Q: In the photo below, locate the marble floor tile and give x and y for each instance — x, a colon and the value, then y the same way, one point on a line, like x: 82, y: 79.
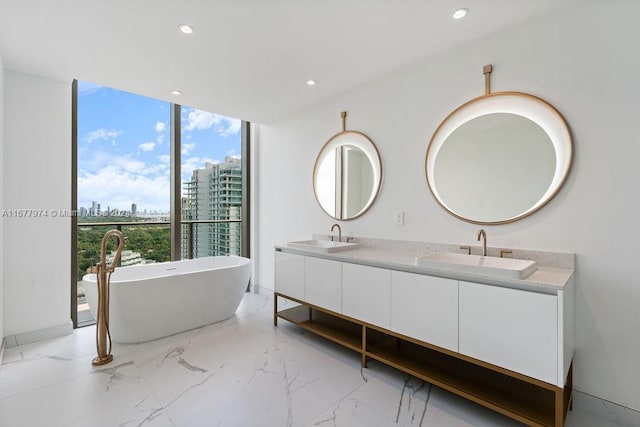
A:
x: 66, y: 402
x: 241, y: 372
x: 350, y: 412
x: 142, y: 411
x: 282, y: 385
x: 82, y: 342
x: 39, y: 371
x: 578, y: 418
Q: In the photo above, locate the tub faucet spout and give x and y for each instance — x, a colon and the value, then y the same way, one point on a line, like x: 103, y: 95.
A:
x: 339, y: 232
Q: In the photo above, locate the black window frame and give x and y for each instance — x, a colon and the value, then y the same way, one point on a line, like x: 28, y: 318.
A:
x: 175, y: 191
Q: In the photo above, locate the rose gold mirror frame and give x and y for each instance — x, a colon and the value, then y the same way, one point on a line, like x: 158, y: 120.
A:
x: 344, y: 131
x: 487, y: 70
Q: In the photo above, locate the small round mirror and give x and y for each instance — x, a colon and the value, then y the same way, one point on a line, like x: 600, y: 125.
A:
x: 347, y: 175
x: 499, y: 158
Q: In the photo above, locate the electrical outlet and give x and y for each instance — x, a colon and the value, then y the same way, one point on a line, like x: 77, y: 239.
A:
x: 400, y: 218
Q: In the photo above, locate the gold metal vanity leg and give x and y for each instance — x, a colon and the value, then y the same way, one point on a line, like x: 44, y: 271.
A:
x: 564, y: 399
x: 275, y: 309
x: 559, y: 407
x: 364, y: 346
x: 569, y: 388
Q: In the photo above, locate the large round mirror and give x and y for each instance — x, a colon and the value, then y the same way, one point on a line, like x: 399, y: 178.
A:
x: 347, y: 175
x: 499, y: 158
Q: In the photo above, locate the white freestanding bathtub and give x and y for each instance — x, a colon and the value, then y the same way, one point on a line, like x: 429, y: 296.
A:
x: 156, y: 300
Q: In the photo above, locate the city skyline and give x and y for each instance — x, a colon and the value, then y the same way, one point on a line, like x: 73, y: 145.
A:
x: 99, y: 209
x: 123, y: 147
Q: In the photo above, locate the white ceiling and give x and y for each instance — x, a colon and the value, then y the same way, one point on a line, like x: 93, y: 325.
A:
x: 248, y: 59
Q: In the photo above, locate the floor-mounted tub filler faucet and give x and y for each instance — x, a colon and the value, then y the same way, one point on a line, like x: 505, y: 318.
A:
x: 483, y: 235
x: 339, y: 232
x: 103, y: 272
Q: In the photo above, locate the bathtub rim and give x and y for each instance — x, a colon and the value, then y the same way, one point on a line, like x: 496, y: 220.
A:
x: 93, y: 277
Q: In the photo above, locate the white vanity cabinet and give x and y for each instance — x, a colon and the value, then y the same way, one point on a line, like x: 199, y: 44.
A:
x: 504, y: 347
x: 323, y: 283
x: 425, y: 308
x: 314, y: 280
x: 289, y: 274
x: 366, y: 294
x: 511, y: 328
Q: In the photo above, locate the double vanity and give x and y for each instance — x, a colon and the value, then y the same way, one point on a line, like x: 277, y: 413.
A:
x: 497, y: 331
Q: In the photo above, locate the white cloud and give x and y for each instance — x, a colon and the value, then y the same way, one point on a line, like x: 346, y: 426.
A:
x: 201, y: 120
x: 119, y: 188
x: 92, y: 160
x: 101, y: 134
x: 234, y: 126
x: 147, y: 146
x: 128, y: 164
x: 160, y: 127
x: 101, y: 159
x: 187, y: 147
x: 119, y: 180
x: 198, y: 119
x: 154, y: 169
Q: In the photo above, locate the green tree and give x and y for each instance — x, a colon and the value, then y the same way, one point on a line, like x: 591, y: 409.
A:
x: 151, y: 241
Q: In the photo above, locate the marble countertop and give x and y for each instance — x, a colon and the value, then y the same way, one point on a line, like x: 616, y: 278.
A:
x: 546, y: 280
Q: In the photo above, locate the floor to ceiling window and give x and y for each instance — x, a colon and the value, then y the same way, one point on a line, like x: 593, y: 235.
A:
x: 212, y: 184
x: 123, y: 145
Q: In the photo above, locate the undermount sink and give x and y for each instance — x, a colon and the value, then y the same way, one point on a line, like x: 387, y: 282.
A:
x: 501, y: 267
x: 322, y: 245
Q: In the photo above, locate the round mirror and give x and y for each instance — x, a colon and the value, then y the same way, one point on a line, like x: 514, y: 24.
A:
x: 347, y: 175
x: 499, y: 158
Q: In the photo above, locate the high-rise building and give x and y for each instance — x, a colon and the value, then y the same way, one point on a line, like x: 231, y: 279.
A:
x: 134, y: 209
x: 95, y: 207
x: 214, y: 193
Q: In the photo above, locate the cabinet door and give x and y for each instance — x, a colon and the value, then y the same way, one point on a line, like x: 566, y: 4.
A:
x: 366, y: 294
x: 425, y: 308
x: 323, y: 283
x: 289, y: 275
x: 511, y: 328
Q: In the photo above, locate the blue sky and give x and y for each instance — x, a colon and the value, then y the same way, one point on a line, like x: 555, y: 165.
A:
x: 123, y: 147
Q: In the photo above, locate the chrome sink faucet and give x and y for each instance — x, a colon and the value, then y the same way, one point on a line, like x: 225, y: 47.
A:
x: 339, y: 232
x: 483, y: 235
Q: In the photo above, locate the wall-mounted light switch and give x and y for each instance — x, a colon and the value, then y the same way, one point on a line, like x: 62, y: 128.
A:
x: 400, y: 218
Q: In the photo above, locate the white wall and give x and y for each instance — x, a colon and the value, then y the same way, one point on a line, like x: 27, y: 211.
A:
x: 37, y: 175
x: 582, y: 61
x: 1, y: 198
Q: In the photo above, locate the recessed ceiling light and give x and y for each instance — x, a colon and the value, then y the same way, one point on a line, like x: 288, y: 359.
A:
x: 187, y: 29
x: 175, y: 92
x: 311, y: 82
x: 460, y: 13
